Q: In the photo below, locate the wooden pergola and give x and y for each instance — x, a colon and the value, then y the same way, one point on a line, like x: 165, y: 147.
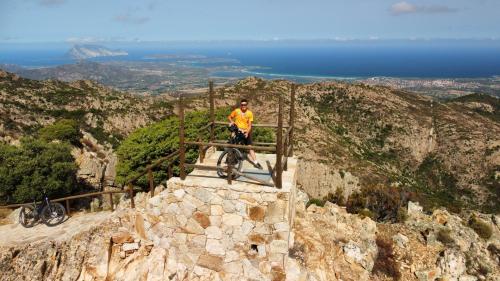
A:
x: 283, y: 147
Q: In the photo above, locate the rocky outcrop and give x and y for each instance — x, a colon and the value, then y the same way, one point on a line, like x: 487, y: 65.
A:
x: 96, y: 163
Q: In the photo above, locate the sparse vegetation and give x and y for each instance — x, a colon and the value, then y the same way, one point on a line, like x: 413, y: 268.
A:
x: 385, y: 262
x: 315, y: 201
x: 444, y: 236
x: 379, y: 202
x: 480, y: 227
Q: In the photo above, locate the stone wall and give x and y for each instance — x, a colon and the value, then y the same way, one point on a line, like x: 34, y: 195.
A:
x: 235, y: 231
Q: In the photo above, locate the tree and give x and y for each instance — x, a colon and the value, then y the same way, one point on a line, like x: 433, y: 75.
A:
x: 63, y: 130
x: 36, y: 165
x: 147, y: 144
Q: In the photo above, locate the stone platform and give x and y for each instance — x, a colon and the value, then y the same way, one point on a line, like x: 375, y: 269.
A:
x: 239, y: 231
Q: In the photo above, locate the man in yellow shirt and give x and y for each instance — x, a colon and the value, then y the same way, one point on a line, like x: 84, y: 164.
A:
x: 242, y: 117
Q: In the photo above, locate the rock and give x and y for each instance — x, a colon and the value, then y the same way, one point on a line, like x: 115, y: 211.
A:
x: 122, y: 237
x: 414, y: 209
x: 215, y: 247
x: 452, y: 264
x: 202, y: 195
x: 400, y: 240
x: 257, y: 213
x: 213, y: 232
x: 202, y: 219
x: 232, y: 219
x: 210, y: 262
x: 216, y: 210
x: 130, y: 247
x: 194, y: 227
x: 278, y: 246
x: 179, y: 193
x: 427, y: 275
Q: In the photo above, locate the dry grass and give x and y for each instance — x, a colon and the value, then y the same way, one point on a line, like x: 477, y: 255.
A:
x: 386, y: 263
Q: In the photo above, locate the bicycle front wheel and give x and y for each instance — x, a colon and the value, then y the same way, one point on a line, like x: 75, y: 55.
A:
x: 230, y: 156
x: 28, y: 216
x: 53, y: 214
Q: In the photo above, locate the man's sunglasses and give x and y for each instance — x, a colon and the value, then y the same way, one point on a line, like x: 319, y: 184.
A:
x: 243, y: 104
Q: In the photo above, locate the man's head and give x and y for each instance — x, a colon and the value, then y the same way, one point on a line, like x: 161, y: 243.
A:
x: 243, y: 105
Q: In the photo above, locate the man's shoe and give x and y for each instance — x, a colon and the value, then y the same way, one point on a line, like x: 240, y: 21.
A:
x: 258, y: 166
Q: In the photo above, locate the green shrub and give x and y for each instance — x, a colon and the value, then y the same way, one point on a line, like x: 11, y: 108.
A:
x: 444, y: 236
x: 336, y: 198
x: 147, y: 144
x: 63, y: 130
x: 482, y: 228
x: 36, y: 165
x: 315, y: 201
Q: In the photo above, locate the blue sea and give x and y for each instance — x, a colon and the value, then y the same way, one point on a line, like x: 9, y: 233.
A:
x: 315, y: 59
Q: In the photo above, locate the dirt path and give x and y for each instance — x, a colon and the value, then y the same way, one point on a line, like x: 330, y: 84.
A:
x: 16, y: 234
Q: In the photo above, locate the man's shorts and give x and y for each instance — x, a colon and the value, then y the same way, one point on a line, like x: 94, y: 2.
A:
x: 248, y: 140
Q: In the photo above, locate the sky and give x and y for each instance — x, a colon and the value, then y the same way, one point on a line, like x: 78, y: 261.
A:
x: 77, y: 21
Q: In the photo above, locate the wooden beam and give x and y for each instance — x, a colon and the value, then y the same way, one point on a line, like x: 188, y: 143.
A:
x: 182, y: 147
x: 254, y: 143
x: 257, y: 148
x: 279, y: 141
x: 111, y: 201
x: 212, y: 109
x: 291, y: 122
x: 151, y: 182
x: 253, y: 125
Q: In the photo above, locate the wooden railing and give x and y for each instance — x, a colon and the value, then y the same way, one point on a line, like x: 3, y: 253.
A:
x: 79, y: 196
x: 283, y: 147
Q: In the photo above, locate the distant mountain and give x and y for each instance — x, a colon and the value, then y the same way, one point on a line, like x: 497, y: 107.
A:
x: 93, y: 51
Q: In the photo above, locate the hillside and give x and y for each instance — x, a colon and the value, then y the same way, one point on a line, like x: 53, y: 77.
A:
x: 108, y: 115
x: 357, y: 136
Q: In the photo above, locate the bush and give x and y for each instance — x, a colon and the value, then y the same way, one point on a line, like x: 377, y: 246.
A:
x: 315, y: 201
x: 480, y: 227
x: 444, y: 236
x: 147, y: 144
x: 386, y: 262
x: 63, y: 130
x: 384, y: 203
x: 36, y: 165
x: 336, y: 198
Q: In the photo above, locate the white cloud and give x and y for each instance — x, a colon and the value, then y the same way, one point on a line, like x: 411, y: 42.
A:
x: 404, y: 8
x: 129, y: 18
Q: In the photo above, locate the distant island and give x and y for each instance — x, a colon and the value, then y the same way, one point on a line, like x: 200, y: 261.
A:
x: 80, y: 52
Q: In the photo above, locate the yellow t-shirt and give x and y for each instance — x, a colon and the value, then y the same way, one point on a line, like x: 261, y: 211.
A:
x: 242, y: 119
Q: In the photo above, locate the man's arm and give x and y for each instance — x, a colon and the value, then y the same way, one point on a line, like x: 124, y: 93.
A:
x: 249, y: 129
x: 230, y: 117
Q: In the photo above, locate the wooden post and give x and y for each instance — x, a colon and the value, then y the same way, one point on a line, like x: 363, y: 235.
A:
x: 68, y: 212
x: 151, y: 182
x: 292, y: 120
x: 279, y: 144
x: 131, y: 194
x: 212, y: 110
x: 170, y: 172
x: 230, y: 174
x: 285, y: 153
x: 182, y: 148
x: 111, y: 201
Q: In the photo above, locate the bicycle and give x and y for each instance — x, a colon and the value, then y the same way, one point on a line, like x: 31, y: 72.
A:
x: 233, y: 156
x: 50, y: 213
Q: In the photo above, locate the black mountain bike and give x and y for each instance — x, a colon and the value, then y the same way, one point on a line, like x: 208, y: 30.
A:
x: 233, y: 156
x: 50, y: 213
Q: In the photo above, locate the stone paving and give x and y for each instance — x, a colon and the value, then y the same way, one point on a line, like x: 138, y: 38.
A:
x: 16, y: 234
